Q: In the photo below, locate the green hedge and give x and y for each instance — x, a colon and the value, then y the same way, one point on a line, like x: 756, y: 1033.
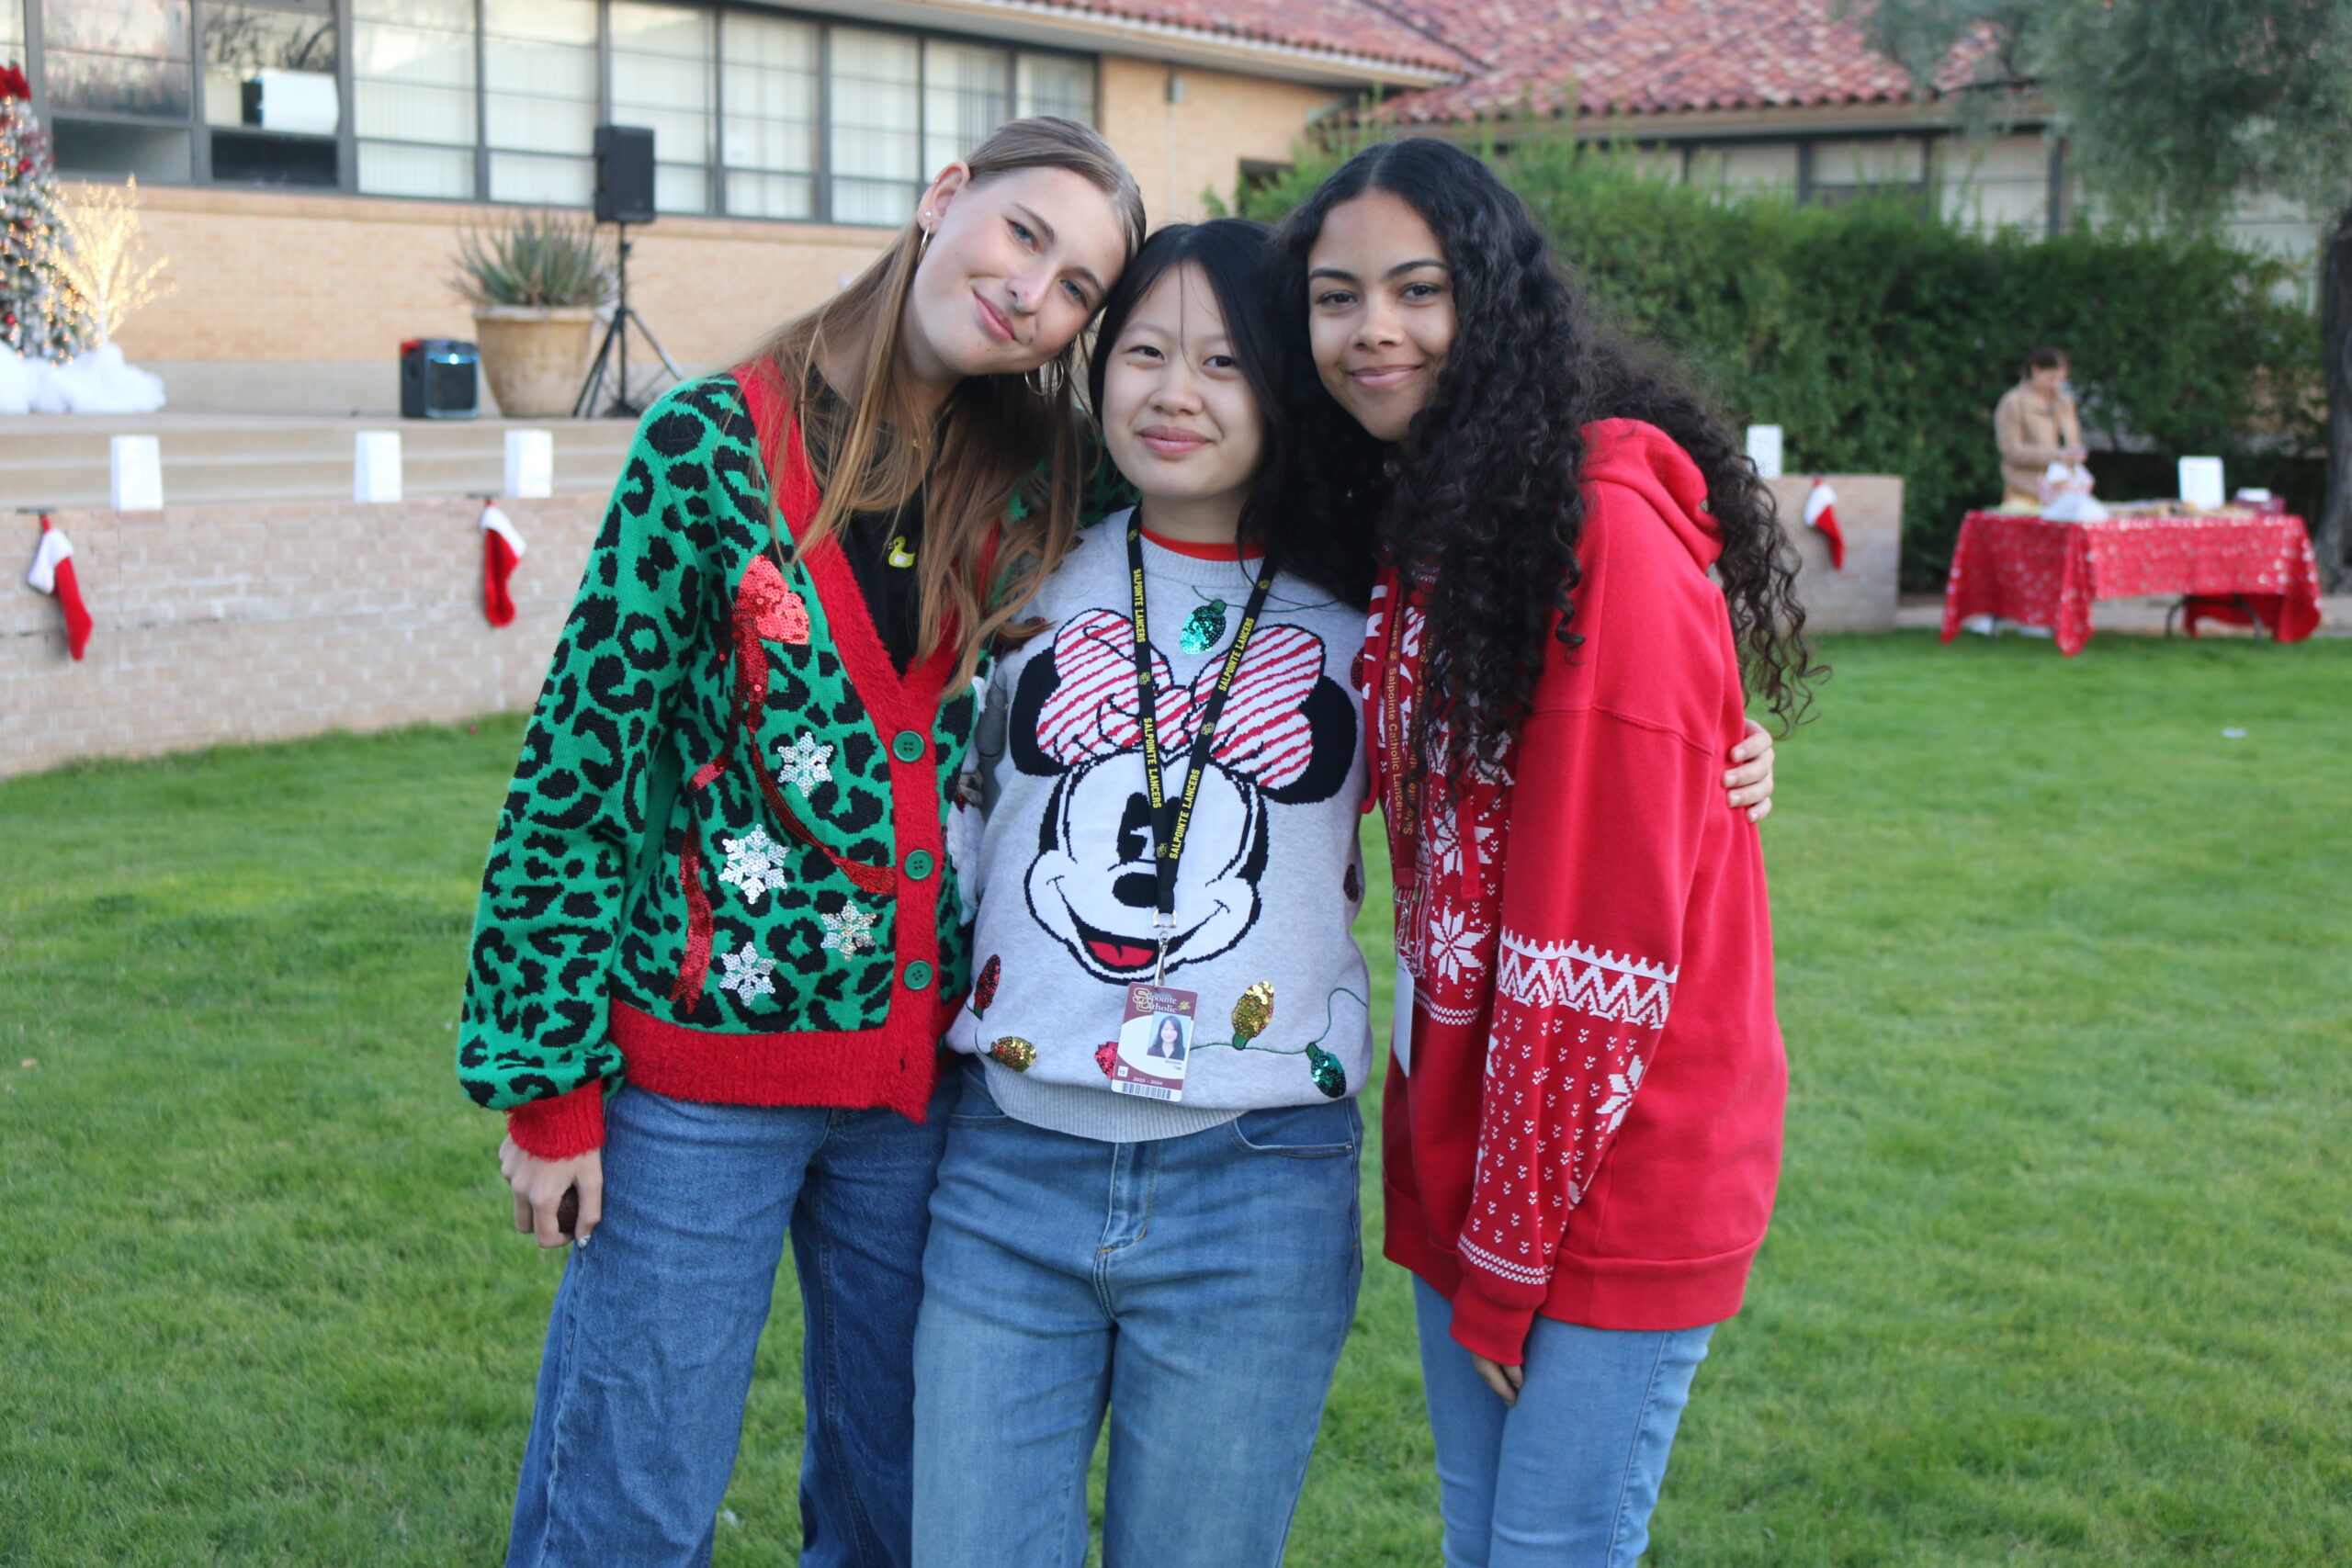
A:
x: 1880, y: 337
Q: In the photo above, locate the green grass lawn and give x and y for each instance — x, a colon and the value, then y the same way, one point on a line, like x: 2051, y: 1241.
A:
x: 2060, y: 1271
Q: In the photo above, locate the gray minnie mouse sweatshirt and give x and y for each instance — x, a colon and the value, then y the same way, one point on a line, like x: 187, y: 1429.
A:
x: 1270, y: 880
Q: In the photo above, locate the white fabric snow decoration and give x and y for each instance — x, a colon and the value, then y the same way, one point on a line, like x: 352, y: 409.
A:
x: 99, y: 381
x: 19, y: 377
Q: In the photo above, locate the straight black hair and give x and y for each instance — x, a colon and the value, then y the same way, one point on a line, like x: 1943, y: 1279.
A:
x: 1231, y: 254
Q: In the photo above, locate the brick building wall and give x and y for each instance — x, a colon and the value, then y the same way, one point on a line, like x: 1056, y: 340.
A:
x: 1180, y: 149
x: 289, y: 303
x: 1860, y: 597
x: 258, y: 622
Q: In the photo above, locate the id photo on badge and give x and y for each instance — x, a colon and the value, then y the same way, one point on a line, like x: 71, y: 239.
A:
x: 1156, y: 1042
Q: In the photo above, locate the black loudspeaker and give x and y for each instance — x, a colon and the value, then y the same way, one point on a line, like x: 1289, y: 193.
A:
x: 440, y: 378
x: 624, y: 174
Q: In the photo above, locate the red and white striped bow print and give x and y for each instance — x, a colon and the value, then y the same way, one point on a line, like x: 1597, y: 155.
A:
x: 1264, y: 734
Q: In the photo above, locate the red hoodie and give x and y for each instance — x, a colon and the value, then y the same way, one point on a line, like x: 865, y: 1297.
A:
x: 1590, y: 1125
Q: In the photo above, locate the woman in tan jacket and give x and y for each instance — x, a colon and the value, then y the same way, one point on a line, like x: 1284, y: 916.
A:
x: 2036, y: 425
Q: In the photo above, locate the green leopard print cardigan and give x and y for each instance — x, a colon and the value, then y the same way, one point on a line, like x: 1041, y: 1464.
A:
x: 721, y: 866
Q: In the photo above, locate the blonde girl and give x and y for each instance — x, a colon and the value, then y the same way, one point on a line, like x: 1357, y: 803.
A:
x: 719, y: 932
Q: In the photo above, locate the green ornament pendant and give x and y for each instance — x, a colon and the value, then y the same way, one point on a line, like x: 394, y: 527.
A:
x: 1204, y: 627
x: 1325, y: 1069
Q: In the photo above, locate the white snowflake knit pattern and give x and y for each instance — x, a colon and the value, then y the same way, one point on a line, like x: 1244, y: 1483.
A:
x: 1574, y: 1027
x: 745, y: 973
x: 1458, y: 879
x: 804, y: 763
x: 1453, y: 945
x: 754, y: 864
x: 851, y: 930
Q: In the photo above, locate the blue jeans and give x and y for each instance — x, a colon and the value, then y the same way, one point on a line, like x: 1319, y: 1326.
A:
x: 1567, y: 1477
x: 1198, y: 1287
x: 649, y: 1351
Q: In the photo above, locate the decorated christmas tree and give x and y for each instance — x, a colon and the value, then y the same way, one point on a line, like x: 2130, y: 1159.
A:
x: 41, y: 314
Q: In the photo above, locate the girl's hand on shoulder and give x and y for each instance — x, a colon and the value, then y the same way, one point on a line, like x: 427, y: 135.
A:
x: 539, y: 1186
x: 1750, y: 778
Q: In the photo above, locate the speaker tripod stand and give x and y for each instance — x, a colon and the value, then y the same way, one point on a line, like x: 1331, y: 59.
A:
x: 612, y: 354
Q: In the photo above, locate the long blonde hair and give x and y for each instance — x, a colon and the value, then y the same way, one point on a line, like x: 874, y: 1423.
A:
x: 977, y: 565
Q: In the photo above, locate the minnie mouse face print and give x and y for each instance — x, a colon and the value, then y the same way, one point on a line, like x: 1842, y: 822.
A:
x: 1288, y: 737
x: 1092, y: 884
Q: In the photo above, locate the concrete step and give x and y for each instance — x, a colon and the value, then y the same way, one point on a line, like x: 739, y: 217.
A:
x: 63, y: 460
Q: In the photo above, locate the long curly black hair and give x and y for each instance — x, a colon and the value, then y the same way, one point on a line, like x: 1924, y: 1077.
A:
x: 1481, y: 501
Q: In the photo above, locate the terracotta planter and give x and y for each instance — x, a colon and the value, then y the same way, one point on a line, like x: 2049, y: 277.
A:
x: 533, y: 356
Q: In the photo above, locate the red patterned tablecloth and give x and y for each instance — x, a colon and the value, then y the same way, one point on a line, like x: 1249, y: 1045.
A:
x: 2021, y: 568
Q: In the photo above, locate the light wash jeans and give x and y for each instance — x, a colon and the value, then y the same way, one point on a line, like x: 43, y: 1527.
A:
x: 1198, y: 1287
x: 1567, y: 1477
x: 649, y: 1351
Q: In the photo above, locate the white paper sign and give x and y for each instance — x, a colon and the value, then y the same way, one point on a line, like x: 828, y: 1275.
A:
x: 375, y: 466
x: 137, y: 479
x: 2201, y: 481
x: 1764, y: 450
x: 530, y: 462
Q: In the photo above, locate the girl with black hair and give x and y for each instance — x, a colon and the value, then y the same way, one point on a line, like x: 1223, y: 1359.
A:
x: 1148, y: 1202
x: 1580, y: 583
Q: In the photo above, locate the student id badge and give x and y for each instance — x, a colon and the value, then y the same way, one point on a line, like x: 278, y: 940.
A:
x: 1155, y: 1043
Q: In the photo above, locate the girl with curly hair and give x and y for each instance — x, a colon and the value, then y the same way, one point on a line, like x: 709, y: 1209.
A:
x: 1580, y: 583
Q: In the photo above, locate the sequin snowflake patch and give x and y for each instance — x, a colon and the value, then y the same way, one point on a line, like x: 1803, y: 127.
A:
x: 745, y: 973
x: 804, y: 763
x: 851, y: 930
x: 754, y: 864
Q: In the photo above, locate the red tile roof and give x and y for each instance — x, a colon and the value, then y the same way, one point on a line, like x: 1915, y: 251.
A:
x: 1366, y: 28
x: 1542, y: 57
x: 1647, y: 57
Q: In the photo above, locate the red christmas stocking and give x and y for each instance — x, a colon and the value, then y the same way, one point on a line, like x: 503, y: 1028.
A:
x: 501, y: 548
x: 1821, y: 511
x: 52, y: 573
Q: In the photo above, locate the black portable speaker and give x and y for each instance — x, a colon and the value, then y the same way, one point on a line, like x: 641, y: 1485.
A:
x: 623, y: 174
x: 440, y: 378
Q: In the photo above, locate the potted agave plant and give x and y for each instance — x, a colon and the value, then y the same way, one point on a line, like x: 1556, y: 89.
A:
x: 536, y: 282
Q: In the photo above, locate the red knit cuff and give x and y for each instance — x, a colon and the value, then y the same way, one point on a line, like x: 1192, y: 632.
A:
x: 562, y: 1128
x: 1486, y: 1329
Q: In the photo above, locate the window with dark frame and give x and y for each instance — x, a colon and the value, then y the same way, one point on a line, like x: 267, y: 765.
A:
x: 273, y: 93
x: 756, y: 112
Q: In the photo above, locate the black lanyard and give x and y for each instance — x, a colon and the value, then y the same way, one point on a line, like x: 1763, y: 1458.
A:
x: 1168, y: 836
